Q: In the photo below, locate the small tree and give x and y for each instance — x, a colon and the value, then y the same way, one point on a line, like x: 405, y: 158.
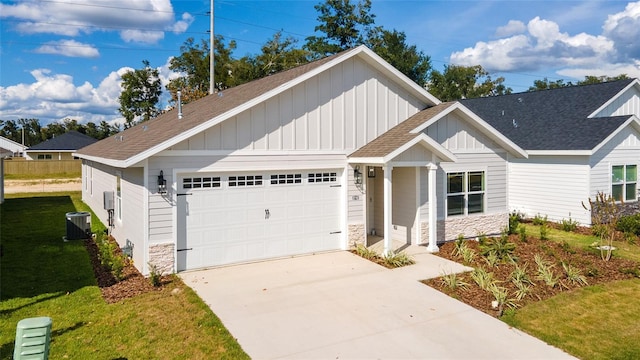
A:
x: 140, y: 94
x: 604, y: 215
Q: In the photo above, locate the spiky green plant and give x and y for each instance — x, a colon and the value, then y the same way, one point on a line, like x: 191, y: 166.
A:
x: 545, y: 272
x: 574, y: 275
x: 453, y: 281
x: 482, y: 278
x: 397, y: 259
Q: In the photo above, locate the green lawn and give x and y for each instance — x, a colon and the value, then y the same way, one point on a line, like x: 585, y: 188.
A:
x: 41, y: 275
x: 595, y: 322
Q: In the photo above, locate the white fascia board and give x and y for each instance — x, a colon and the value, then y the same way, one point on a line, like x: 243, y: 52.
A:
x: 560, y: 152
x: 411, y: 85
x: 484, y: 127
x: 250, y: 152
x: 428, y: 143
x: 101, y: 160
x: 11, y: 145
x: 636, y: 82
x: 366, y: 160
x: 631, y: 121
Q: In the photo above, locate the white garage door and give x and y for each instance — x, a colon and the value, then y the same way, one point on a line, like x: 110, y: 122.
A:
x: 226, y: 218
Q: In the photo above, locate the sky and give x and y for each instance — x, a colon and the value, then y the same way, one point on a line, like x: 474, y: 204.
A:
x: 64, y: 58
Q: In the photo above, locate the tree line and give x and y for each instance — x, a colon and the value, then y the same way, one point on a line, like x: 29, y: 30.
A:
x: 30, y: 132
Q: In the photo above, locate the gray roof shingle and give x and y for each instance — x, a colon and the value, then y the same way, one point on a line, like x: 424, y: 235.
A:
x: 69, y: 141
x: 554, y: 119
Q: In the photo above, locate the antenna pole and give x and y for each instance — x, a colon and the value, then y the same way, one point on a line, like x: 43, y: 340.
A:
x: 211, y: 47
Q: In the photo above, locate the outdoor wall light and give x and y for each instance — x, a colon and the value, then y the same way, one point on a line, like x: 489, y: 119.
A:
x: 357, y: 175
x: 371, y: 172
x: 162, y: 183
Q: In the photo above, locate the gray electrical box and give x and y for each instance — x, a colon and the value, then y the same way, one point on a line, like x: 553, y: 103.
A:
x: 108, y: 200
x: 33, y: 336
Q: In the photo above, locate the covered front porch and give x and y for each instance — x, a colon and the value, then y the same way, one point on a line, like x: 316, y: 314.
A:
x: 398, y: 201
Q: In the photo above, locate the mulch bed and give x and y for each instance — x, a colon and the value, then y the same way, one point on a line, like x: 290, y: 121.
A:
x: 131, y: 285
x: 595, y: 270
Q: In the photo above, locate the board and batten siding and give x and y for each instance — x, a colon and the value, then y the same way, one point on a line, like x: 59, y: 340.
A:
x: 340, y: 110
x: 552, y: 186
x: 627, y: 104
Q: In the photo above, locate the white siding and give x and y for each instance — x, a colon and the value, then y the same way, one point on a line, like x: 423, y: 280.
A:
x: 404, y: 204
x: 356, y: 197
x: 627, y: 104
x: 458, y: 135
x: 623, y: 149
x: 131, y: 227
x: 550, y: 186
x: 341, y: 110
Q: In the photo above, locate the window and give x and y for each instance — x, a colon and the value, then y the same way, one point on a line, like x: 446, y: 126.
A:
x: 623, y: 182
x: 44, y: 157
x: 280, y: 179
x: 322, y: 177
x: 201, y: 182
x: 119, y: 196
x: 245, y: 180
x: 465, y: 193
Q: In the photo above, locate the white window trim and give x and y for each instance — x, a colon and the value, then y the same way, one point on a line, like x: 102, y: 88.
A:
x: 623, y: 183
x: 118, y: 195
x: 466, y: 193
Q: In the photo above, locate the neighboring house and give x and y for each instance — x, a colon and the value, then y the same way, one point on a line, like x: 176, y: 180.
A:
x: 311, y: 159
x: 10, y: 148
x: 581, y: 140
x: 60, y: 147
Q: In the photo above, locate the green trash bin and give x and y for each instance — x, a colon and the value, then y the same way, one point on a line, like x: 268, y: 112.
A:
x: 33, y: 336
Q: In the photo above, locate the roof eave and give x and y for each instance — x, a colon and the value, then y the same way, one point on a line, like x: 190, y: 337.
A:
x: 632, y: 120
x: 110, y: 162
x: 559, y: 152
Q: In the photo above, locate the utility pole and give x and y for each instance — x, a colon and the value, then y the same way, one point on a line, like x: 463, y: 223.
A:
x: 211, y: 47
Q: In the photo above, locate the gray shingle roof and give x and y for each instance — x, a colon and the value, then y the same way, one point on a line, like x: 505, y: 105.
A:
x: 400, y: 134
x: 69, y: 141
x: 554, y: 119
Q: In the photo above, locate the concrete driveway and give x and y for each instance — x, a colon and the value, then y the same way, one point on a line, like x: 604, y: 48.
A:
x: 339, y: 306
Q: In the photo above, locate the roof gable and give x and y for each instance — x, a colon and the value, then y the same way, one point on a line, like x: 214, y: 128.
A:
x: 146, y: 139
x: 69, y: 141
x: 556, y: 119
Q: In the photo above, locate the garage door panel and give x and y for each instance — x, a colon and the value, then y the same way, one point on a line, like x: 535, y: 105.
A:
x: 229, y: 225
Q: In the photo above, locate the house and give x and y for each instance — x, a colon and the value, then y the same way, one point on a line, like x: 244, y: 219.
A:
x: 312, y: 159
x: 10, y: 148
x: 60, y: 147
x: 580, y: 140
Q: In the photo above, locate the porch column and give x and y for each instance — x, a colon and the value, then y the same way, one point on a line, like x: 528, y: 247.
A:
x: 387, y: 169
x: 433, y: 210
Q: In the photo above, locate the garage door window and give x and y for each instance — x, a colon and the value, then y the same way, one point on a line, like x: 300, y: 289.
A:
x: 322, y: 177
x: 245, y: 180
x: 201, y: 182
x: 281, y: 179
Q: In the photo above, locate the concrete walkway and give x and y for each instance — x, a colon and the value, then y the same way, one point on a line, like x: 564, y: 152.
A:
x: 340, y: 306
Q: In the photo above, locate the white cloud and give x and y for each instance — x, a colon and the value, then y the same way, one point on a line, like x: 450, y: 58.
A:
x: 624, y: 29
x: 140, y: 21
x: 513, y: 27
x: 53, y: 97
x: 542, y: 45
x: 69, y: 48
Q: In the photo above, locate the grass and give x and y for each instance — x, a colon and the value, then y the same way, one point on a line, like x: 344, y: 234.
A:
x: 595, y: 322
x: 44, y: 276
x: 60, y: 176
x: 623, y: 248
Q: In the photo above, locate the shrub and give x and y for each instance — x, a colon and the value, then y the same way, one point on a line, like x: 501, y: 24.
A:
x: 514, y: 221
x: 573, y: 275
x: 154, y: 275
x: 569, y: 225
x: 522, y: 232
x: 501, y: 247
x: 539, y: 220
x: 629, y: 224
x: 110, y: 258
x: 544, y: 231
